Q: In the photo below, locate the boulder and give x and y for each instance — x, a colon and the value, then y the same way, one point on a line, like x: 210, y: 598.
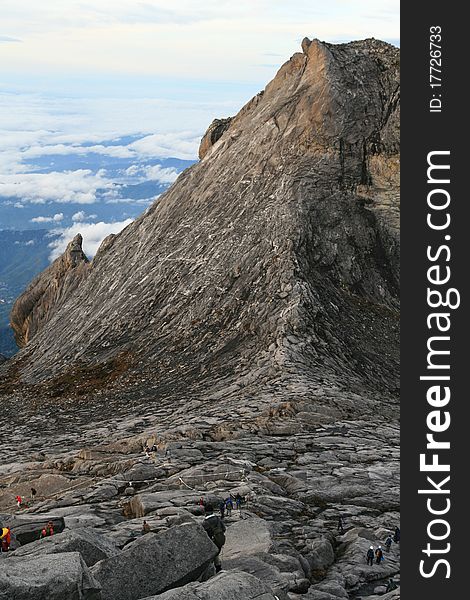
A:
x: 214, y: 132
x: 280, y: 583
x: 155, y: 563
x: 321, y: 554
x: 92, y: 545
x: 231, y: 585
x: 247, y: 537
x: 55, y: 577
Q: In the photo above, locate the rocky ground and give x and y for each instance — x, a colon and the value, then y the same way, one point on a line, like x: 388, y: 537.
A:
x: 299, y: 470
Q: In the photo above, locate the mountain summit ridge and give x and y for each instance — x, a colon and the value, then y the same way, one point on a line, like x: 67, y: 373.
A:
x: 269, y: 267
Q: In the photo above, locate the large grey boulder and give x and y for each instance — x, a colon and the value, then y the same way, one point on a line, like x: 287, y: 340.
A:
x: 280, y: 583
x: 232, y: 585
x: 92, y: 545
x: 155, y: 563
x: 247, y: 537
x: 321, y: 554
x: 56, y: 577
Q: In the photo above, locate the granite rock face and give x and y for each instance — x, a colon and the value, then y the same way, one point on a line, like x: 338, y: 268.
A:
x: 91, y: 544
x: 52, y: 577
x: 226, y: 586
x: 48, y: 292
x: 271, y: 266
x: 246, y: 329
x: 154, y: 563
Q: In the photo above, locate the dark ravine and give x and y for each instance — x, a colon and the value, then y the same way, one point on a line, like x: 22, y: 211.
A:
x: 248, y: 325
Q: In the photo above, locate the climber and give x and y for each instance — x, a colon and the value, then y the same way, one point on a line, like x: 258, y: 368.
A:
x: 379, y: 555
x: 388, y: 543
x: 215, y: 529
x: 396, y: 535
x: 229, y: 506
x: 19, y: 501
x: 5, y: 537
x: 48, y: 530
x: 370, y: 556
x: 238, y: 501
x: 145, y: 528
x: 222, y: 509
x: 391, y: 585
x: 33, y: 494
x: 340, y: 525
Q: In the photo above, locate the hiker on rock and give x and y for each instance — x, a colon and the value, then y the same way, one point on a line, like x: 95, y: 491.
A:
x: 215, y: 529
x: 340, y: 525
x: 19, y: 501
x: 222, y: 509
x: 396, y: 535
x: 379, y: 555
x: 5, y: 539
x: 229, y: 506
x: 370, y: 556
x: 391, y: 585
x: 238, y: 502
x: 145, y: 528
x: 48, y: 530
x: 33, y: 494
x: 388, y: 543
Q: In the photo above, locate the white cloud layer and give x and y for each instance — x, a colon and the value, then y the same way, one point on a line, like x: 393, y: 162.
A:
x: 153, y: 173
x: 55, y: 219
x: 69, y: 186
x: 81, y: 216
x: 93, y: 234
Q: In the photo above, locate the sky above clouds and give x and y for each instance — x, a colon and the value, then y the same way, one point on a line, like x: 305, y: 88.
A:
x: 79, y: 76
x: 186, y: 39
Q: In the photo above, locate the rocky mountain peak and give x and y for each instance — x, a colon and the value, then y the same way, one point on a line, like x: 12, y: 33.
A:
x: 272, y: 264
x: 47, y: 292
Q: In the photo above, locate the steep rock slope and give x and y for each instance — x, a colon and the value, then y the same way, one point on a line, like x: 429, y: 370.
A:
x: 270, y: 267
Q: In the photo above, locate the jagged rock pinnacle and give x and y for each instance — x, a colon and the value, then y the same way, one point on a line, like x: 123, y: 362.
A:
x: 48, y: 291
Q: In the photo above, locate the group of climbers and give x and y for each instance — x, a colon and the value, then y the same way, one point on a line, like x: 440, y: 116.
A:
x: 48, y: 530
x: 150, y: 449
x: 22, y: 502
x: 227, y: 505
x: 6, y: 533
x: 378, y: 554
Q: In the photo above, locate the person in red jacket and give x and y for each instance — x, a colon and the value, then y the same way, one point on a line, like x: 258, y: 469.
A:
x: 48, y: 530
